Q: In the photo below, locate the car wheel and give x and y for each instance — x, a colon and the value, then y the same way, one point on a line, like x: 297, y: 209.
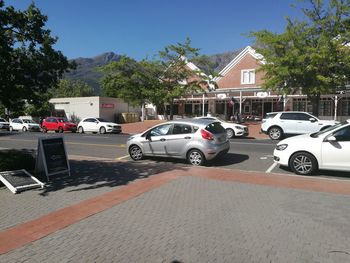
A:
x: 102, y: 130
x: 24, y: 129
x: 230, y: 133
x: 135, y: 153
x: 81, y: 129
x: 303, y: 163
x: 195, y: 157
x: 10, y: 129
x: 44, y: 130
x: 275, y: 133
x: 60, y: 129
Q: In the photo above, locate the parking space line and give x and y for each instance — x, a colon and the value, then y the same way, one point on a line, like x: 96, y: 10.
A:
x: 271, y: 168
x: 123, y: 157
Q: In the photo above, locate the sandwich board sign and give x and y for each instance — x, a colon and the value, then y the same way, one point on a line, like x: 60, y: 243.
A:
x: 51, y: 157
x: 19, y: 180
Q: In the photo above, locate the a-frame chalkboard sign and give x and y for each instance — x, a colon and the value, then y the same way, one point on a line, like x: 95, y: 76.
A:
x: 51, y: 157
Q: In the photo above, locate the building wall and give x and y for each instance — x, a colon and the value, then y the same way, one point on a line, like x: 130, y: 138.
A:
x: 232, y: 79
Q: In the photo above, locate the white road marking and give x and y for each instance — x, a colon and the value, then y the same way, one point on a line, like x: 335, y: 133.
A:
x: 271, y: 168
x: 123, y: 157
x: 263, y: 158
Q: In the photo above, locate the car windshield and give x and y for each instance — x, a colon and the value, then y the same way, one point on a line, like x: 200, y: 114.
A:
x: 316, y: 134
x: 28, y: 121
x: 62, y: 120
x: 215, y: 128
x: 102, y: 120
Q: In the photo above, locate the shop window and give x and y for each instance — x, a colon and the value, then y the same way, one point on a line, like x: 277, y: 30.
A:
x: 345, y: 106
x: 188, y: 108
x: 325, y: 108
x: 248, y: 76
x: 299, y: 105
x: 220, y: 108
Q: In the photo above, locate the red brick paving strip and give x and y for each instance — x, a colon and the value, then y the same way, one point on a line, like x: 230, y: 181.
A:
x: 26, y: 233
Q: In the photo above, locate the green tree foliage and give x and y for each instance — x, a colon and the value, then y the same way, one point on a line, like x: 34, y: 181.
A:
x: 312, y: 55
x: 29, y: 65
x: 71, y: 88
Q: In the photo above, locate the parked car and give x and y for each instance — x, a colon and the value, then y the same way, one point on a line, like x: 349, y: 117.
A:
x: 4, y: 125
x: 196, y: 140
x: 232, y: 129
x: 327, y: 149
x: 279, y: 124
x: 19, y: 124
x: 58, y: 124
x: 98, y: 125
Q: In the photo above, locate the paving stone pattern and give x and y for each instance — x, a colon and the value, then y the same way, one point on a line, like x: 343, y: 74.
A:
x: 199, y: 220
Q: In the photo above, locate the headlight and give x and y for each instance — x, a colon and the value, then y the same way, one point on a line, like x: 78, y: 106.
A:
x: 281, y: 147
x: 238, y: 127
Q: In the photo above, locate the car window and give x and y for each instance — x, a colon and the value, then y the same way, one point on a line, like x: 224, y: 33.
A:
x: 289, y: 116
x: 90, y: 120
x: 101, y: 120
x: 316, y: 134
x: 343, y: 134
x: 2, y: 120
x: 303, y: 116
x: 270, y: 115
x: 161, y: 130
x: 62, y: 120
x: 215, y: 128
x: 182, y: 129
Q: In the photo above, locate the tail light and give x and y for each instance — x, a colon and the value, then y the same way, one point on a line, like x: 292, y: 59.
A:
x: 207, y: 135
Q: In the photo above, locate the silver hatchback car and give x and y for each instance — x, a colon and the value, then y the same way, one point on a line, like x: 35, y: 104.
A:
x: 197, y: 140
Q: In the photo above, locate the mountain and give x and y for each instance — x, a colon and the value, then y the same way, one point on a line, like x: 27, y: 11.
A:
x: 87, y: 67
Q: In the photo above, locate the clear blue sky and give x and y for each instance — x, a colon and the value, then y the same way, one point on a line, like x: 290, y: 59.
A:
x: 140, y: 28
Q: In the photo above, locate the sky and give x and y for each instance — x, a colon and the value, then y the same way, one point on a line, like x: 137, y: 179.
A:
x: 141, y: 28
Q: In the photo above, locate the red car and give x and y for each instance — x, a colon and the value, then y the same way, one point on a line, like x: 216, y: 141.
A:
x: 58, y: 125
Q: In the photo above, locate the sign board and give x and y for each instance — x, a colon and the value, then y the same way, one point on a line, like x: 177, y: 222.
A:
x: 19, y: 180
x: 52, y: 157
x: 108, y: 106
x: 221, y: 96
x: 262, y: 94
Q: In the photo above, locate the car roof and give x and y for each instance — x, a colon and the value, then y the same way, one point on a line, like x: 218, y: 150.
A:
x: 203, y: 122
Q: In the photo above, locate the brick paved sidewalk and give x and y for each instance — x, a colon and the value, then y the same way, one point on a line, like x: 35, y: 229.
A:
x: 137, y: 127
x: 166, y: 216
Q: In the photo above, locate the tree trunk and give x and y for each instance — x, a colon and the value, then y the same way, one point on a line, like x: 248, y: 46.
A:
x: 172, y: 110
x: 315, y: 102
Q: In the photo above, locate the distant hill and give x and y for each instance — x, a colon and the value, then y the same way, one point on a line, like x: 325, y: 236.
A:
x: 86, y: 69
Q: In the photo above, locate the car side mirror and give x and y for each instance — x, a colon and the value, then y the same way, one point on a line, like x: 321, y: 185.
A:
x: 331, y: 139
x: 312, y: 120
x: 148, y: 136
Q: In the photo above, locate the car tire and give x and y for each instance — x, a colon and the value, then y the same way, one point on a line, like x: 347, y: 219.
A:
x: 196, y: 157
x: 60, y: 129
x: 135, y: 153
x: 11, y: 129
x: 275, y: 133
x: 230, y: 133
x: 81, y: 129
x: 24, y: 129
x: 102, y: 130
x: 44, y: 130
x: 303, y: 163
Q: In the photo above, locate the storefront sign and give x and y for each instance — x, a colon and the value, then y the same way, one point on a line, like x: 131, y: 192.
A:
x: 108, y: 106
x: 262, y: 94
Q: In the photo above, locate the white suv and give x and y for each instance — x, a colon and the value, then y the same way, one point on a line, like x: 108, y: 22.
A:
x: 278, y: 124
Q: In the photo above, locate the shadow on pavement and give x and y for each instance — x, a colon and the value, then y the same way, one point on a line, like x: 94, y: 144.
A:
x: 228, y: 159
x: 86, y: 175
x: 7, y: 133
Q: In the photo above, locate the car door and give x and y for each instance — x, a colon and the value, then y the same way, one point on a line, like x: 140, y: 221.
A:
x: 88, y: 124
x: 288, y: 122
x: 155, y: 144
x: 307, y: 123
x: 335, y: 155
x: 16, y: 125
x: 176, y: 142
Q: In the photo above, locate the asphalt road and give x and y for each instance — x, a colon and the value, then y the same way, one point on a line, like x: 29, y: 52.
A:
x: 244, y: 154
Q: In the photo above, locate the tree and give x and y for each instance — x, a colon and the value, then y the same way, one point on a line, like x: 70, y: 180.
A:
x: 71, y: 88
x: 311, y: 56
x: 29, y: 65
x: 178, y: 78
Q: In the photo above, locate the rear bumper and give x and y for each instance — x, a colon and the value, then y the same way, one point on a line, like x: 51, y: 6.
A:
x: 216, y: 151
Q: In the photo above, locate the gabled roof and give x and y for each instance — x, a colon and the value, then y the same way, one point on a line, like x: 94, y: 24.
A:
x: 237, y: 59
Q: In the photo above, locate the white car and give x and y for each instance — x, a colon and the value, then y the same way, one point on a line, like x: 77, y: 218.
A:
x: 24, y: 125
x: 98, y: 125
x: 327, y: 149
x: 4, y: 125
x: 232, y: 129
x: 279, y: 124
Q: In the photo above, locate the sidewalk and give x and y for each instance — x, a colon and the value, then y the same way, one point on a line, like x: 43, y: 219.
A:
x: 164, y: 212
x: 137, y: 127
